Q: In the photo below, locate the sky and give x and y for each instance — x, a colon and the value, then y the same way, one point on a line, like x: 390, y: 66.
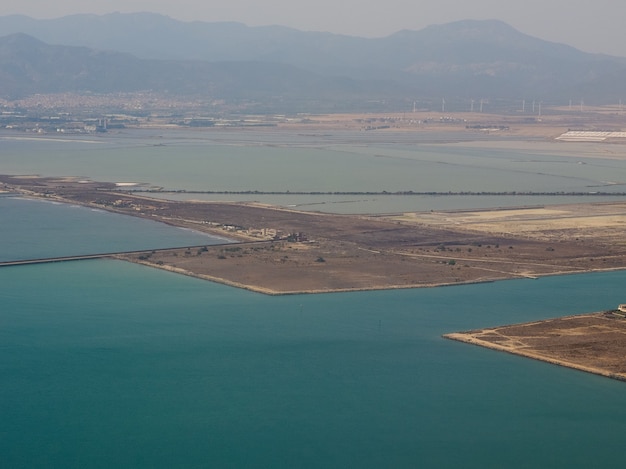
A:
x: 592, y: 26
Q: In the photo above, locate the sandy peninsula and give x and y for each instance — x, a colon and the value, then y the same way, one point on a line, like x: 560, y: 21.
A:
x: 282, y: 251
x: 594, y: 343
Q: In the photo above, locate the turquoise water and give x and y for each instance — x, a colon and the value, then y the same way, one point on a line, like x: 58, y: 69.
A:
x: 32, y: 229
x: 108, y: 364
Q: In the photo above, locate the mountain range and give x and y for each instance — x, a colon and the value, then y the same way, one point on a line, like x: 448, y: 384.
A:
x: 460, y: 61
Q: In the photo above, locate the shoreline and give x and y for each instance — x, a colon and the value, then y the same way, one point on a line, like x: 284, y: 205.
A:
x: 555, y: 337
x: 273, y: 292
x: 332, y: 253
x: 460, y: 337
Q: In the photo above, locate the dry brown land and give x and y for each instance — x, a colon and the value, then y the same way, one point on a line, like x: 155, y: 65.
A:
x: 343, y: 252
x: 595, y: 343
x: 524, y: 125
x: 409, y: 250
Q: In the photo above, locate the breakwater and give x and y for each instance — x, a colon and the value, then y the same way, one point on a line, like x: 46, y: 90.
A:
x: 47, y: 260
x: 378, y: 193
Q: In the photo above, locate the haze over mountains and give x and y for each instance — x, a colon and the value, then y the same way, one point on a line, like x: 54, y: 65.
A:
x: 461, y: 61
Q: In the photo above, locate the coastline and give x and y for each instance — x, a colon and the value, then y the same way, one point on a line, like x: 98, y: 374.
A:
x: 569, y: 341
x: 275, y: 292
x: 324, y: 253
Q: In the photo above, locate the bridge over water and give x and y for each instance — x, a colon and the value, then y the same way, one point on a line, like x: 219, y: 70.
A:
x: 54, y: 259
x: 82, y: 257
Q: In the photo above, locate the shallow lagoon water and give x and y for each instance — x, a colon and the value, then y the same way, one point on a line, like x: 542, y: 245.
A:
x: 34, y: 229
x: 343, y: 161
x: 386, y: 204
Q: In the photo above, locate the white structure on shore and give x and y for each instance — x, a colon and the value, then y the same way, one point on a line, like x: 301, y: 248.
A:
x: 589, y: 136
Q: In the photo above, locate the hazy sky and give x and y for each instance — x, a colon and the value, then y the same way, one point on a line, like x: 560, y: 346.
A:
x: 593, y: 26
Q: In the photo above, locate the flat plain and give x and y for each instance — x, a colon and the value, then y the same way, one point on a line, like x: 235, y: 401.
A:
x: 595, y: 343
x: 284, y: 250
x: 316, y: 252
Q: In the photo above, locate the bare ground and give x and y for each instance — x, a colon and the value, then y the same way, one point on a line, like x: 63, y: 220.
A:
x: 594, y: 343
x: 341, y: 252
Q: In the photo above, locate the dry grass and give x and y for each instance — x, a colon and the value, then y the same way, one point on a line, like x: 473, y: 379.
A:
x: 595, y: 343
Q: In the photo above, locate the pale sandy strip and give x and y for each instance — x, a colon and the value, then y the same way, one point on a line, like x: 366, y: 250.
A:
x: 470, y: 339
x: 269, y: 291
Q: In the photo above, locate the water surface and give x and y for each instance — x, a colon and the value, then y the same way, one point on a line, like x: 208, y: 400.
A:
x: 344, y: 161
x: 34, y: 229
x: 171, y: 371
x: 105, y: 363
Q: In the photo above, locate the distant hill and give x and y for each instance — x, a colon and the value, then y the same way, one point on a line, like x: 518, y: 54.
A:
x: 462, y: 60
x: 29, y: 66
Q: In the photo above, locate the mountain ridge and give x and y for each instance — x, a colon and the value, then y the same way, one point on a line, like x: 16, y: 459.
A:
x: 465, y: 59
x: 30, y: 66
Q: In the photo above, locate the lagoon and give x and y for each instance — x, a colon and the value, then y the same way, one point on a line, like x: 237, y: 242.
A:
x: 37, y: 229
x: 340, y: 161
x: 105, y: 363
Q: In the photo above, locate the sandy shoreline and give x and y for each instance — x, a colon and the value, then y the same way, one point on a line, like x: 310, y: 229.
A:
x: 460, y: 337
x: 593, y: 343
x: 275, y: 292
x: 323, y: 253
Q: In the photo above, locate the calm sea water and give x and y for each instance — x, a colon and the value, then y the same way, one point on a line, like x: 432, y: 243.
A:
x: 32, y: 229
x: 108, y: 364
x: 104, y: 363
